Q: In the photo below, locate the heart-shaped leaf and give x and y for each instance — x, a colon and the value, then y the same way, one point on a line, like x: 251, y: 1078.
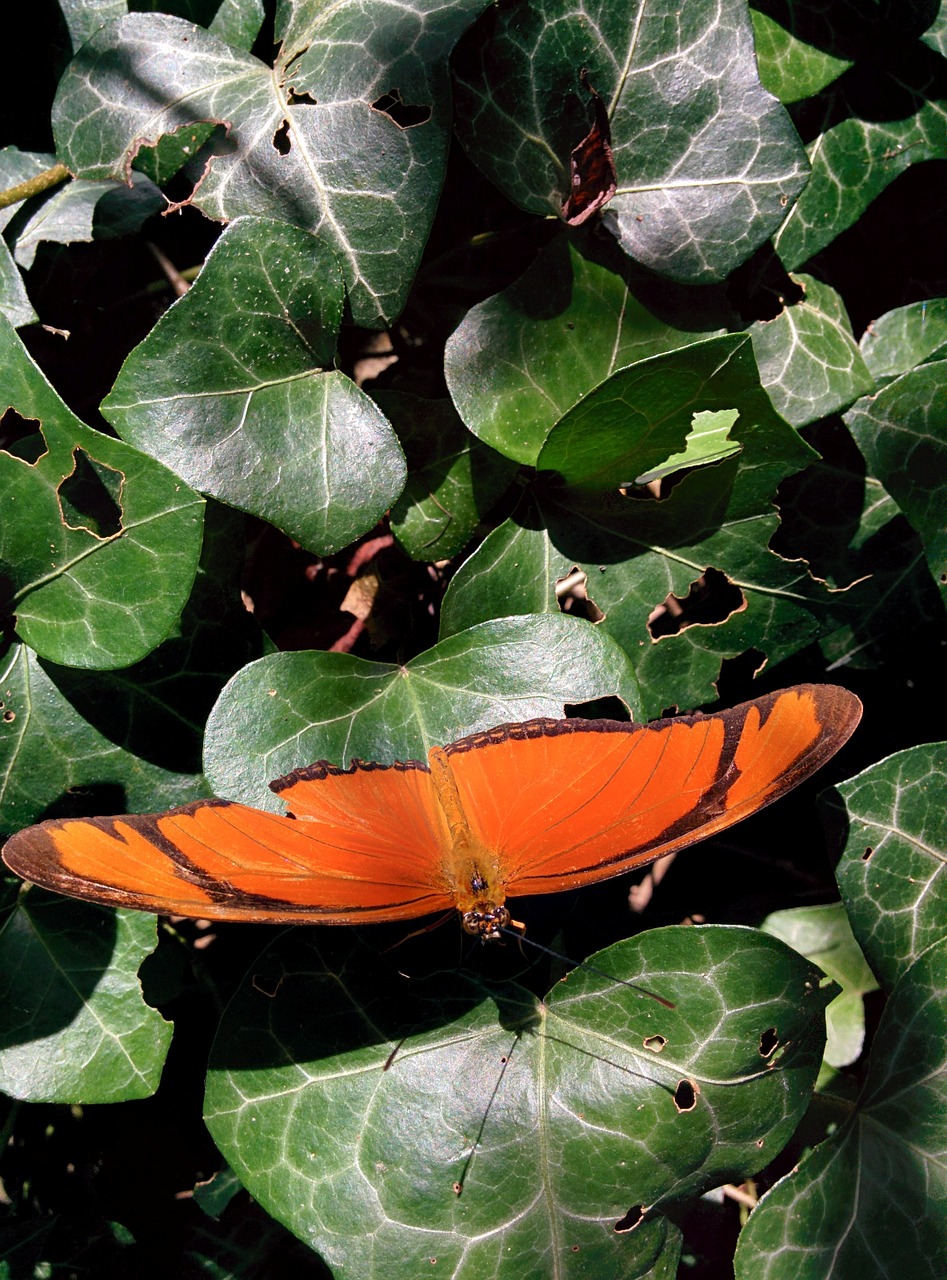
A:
x: 291, y: 709
x: 398, y: 1124
x: 233, y: 390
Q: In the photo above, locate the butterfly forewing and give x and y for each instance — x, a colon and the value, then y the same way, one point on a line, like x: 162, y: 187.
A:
x: 567, y: 803
x: 371, y: 852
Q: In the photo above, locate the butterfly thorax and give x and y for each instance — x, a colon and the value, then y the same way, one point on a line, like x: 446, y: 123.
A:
x: 471, y: 870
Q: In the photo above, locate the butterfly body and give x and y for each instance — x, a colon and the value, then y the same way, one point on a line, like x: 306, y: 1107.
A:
x: 534, y: 807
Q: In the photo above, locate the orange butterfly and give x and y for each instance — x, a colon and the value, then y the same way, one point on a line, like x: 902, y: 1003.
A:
x: 524, y: 808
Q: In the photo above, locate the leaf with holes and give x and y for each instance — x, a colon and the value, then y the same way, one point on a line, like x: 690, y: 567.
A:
x: 100, y: 554
x: 441, y: 1119
x: 234, y: 389
x: 347, y: 134
x: 707, y: 161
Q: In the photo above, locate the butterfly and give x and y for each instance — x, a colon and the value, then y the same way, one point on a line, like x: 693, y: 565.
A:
x: 592, y: 177
x: 535, y: 807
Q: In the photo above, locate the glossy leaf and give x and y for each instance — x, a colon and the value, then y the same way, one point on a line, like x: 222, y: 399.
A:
x: 73, y: 1024
x: 520, y: 360
x: 413, y: 1120
x: 100, y: 554
x: 311, y: 142
x: 871, y: 124
x: 453, y: 479
x: 706, y: 159
x: 790, y: 68
x: 871, y: 1199
x: 824, y: 935
x: 902, y: 433
x: 902, y: 339
x: 83, y: 211
x: 292, y: 709
x: 894, y: 834
x: 234, y: 390
x: 635, y: 551
x: 808, y: 359
x: 16, y: 167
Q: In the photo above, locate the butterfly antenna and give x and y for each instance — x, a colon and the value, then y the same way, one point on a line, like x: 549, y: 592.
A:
x: 583, y: 964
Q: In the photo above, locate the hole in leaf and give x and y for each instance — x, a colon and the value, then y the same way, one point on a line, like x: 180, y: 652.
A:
x: 9, y: 716
x: 686, y: 1095
x: 631, y: 1219
x: 655, y: 1043
x: 404, y: 114
x: 869, y: 850
x: 768, y: 1042
x: 300, y: 98
x: 281, y: 139
x: 711, y: 599
x: 22, y: 438
x: 608, y: 708
x: 267, y: 984
x: 90, y: 497
x: 573, y: 598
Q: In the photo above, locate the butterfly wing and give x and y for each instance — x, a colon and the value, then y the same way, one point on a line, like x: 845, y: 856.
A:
x: 565, y: 803
x: 365, y: 844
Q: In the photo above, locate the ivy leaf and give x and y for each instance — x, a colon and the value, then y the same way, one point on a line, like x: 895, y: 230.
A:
x: 871, y: 1199
x: 413, y: 1120
x: 880, y: 117
x: 902, y: 339
x: 824, y: 935
x: 100, y: 554
x: 518, y: 362
x: 706, y: 159
x: 290, y: 709
x: 74, y: 1026
x: 894, y: 836
x: 790, y: 68
x: 902, y: 433
x: 807, y: 356
x: 233, y: 389
x: 16, y: 167
x: 347, y: 134
x: 84, y: 211
x: 453, y: 479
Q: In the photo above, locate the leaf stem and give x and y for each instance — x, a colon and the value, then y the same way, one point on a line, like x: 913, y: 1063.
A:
x: 34, y: 186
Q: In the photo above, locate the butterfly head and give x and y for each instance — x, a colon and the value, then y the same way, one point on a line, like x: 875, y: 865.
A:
x: 486, y: 921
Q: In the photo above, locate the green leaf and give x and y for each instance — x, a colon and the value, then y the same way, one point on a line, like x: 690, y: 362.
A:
x: 348, y: 132
x: 636, y: 551
x: 789, y: 67
x: 904, y: 338
x: 89, y: 742
x: 238, y: 22
x: 233, y: 390
x: 101, y: 547
x: 891, y: 825
x: 73, y: 1024
x: 350, y: 1100
x: 871, y: 1199
x: 453, y: 479
x: 824, y: 936
x: 16, y: 167
x: 706, y: 159
x: 879, y: 118
x: 85, y: 211
x: 519, y: 361
x: 902, y: 433
x: 808, y: 359
x: 291, y: 709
